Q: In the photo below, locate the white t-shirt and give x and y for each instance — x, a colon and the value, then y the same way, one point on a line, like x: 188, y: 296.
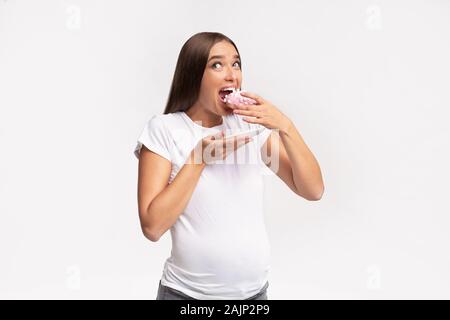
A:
x: 220, y: 248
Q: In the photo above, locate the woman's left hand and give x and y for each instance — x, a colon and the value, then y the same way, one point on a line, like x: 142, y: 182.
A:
x: 264, y: 113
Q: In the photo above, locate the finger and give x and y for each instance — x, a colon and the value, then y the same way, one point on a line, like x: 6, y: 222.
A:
x: 244, y: 141
x: 231, y: 140
x: 250, y: 113
x: 232, y: 143
x: 249, y: 107
x: 254, y: 120
x: 241, y: 106
x: 227, y: 142
x: 218, y: 135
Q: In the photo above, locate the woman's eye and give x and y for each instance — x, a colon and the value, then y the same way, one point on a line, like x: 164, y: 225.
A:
x: 239, y: 64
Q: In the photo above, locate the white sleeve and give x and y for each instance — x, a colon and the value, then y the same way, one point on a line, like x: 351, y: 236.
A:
x: 260, y: 140
x: 154, y: 137
x: 262, y: 137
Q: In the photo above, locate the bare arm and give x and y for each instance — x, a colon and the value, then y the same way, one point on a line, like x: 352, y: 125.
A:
x: 160, y: 203
x: 298, y: 167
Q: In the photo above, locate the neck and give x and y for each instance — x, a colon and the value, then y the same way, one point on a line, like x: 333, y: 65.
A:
x: 206, y: 118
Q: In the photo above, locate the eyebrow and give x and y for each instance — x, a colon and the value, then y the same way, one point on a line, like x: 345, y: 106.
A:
x: 219, y: 57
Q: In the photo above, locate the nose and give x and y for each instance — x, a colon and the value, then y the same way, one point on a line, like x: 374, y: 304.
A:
x: 231, y: 75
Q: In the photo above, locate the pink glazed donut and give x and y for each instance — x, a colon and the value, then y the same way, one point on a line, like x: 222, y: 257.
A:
x: 236, y: 98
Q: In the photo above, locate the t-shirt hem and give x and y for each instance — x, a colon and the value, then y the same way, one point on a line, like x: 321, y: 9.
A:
x: 200, y: 296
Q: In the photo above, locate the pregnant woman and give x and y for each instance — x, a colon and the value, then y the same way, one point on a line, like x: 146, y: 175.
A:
x: 192, y: 179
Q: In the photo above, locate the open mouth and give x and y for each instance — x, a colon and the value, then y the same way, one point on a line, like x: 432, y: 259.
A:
x: 223, y: 93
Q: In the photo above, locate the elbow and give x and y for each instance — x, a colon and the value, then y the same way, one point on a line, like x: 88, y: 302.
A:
x: 151, y: 234
x: 316, y: 196
x: 149, y: 227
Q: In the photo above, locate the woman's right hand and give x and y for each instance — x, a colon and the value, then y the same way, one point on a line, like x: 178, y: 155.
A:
x: 216, y: 147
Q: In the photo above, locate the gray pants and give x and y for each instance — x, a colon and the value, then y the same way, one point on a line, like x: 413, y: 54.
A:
x: 166, y: 293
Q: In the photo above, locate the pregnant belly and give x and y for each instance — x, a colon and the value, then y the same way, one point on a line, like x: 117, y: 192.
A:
x: 235, y: 256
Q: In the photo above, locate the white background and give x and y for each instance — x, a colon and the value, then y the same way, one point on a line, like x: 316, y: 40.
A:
x: 365, y: 82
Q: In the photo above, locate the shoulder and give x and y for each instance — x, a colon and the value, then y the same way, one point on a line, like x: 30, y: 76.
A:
x: 161, y: 122
x: 159, y: 119
x: 156, y: 136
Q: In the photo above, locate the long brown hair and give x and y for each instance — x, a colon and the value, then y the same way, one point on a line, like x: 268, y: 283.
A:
x: 189, y: 71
